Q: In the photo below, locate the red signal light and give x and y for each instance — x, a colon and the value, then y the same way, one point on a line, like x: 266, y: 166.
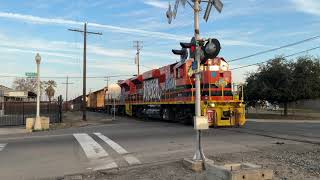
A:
x: 193, y: 48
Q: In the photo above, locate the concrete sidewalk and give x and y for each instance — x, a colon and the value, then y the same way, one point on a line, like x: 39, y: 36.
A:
x: 74, y: 119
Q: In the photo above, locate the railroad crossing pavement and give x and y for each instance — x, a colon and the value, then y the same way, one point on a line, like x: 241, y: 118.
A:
x: 128, y: 142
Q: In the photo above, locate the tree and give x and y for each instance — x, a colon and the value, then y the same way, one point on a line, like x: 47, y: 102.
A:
x: 306, y: 78
x: 281, y: 82
x: 51, y: 84
x: 251, y: 90
x: 272, y: 83
x: 27, y: 84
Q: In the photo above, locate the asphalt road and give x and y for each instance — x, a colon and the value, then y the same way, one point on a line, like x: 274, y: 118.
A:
x: 128, y: 142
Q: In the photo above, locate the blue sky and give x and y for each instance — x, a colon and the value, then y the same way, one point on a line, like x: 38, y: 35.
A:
x: 244, y: 27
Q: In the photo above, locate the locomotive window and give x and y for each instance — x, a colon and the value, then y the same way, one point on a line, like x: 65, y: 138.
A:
x: 179, y: 73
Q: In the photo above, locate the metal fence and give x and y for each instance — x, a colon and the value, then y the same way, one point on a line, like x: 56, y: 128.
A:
x: 14, y: 113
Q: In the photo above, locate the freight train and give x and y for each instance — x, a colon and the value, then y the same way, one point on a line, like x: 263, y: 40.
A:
x: 168, y: 93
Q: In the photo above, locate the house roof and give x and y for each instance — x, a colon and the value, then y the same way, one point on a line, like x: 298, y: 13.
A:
x: 4, y: 88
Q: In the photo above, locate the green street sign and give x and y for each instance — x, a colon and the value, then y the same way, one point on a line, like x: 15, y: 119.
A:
x: 31, y: 74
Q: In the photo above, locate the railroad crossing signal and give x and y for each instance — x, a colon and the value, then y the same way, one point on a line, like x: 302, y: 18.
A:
x: 183, y: 53
x: 211, y: 49
x: 217, y: 4
x: 169, y: 14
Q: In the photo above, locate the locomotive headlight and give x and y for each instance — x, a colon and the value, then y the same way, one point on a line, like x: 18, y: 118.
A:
x: 214, y: 68
x: 212, y: 104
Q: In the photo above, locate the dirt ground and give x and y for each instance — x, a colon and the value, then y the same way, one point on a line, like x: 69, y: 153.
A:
x: 74, y: 119
x: 289, y: 162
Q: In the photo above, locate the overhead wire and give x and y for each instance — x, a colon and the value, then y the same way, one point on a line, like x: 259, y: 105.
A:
x: 70, y: 77
x: 277, y: 48
x: 290, y: 55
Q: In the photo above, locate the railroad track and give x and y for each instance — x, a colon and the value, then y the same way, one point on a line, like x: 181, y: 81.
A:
x: 271, y: 134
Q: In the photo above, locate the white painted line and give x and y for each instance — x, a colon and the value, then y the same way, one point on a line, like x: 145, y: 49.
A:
x: 111, y: 143
x: 120, y: 150
x: 131, y: 159
x: 2, y: 146
x: 106, y: 166
x: 91, y: 148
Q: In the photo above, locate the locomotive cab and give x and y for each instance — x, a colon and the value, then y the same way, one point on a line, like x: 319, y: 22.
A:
x: 222, y: 100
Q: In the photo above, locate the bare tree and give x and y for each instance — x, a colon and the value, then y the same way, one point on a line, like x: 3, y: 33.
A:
x: 27, y: 84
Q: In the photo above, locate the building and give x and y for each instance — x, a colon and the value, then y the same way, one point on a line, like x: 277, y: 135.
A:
x: 9, y: 95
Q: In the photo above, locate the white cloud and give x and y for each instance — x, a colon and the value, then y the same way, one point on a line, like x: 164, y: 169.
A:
x: 157, y: 3
x: 18, y: 50
x: 59, y: 21
x: 229, y: 42
x: 307, y: 6
x: 146, y: 33
x: 38, y: 20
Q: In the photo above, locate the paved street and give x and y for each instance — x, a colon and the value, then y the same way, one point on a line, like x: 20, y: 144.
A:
x: 129, y: 142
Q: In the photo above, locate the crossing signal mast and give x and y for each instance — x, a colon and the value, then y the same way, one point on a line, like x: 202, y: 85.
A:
x: 200, y: 50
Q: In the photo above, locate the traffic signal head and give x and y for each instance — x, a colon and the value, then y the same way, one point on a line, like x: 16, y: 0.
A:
x: 191, y: 46
x: 211, y: 49
x: 183, y: 53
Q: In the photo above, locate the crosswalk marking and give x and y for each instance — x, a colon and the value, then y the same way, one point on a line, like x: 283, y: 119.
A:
x: 111, y: 143
x: 110, y: 165
x: 2, y: 146
x: 120, y: 150
x: 98, y: 157
x: 131, y: 159
x: 91, y: 148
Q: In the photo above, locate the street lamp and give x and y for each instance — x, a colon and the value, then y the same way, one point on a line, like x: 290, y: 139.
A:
x: 37, y: 123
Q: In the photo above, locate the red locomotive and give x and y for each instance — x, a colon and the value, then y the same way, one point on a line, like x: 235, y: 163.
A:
x: 168, y: 93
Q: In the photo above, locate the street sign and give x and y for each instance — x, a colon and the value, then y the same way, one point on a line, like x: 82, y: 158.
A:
x: 31, y: 74
x: 218, y: 5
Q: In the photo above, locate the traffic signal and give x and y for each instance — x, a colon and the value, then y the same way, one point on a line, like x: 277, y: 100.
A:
x: 183, y: 53
x: 211, y: 49
x: 208, y: 49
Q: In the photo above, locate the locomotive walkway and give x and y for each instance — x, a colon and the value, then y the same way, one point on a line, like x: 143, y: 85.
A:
x: 128, y: 142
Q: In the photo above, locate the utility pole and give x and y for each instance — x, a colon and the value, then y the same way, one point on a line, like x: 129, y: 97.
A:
x: 138, y: 45
x: 198, y: 156
x: 107, y: 81
x: 85, y: 32
x: 67, y: 85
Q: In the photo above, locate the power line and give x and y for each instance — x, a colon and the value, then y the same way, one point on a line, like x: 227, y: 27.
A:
x: 274, y: 49
x: 271, y: 59
x: 70, y: 77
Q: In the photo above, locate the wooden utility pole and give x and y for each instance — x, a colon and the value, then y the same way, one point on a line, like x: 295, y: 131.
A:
x: 138, y: 45
x: 67, y: 86
x: 85, y: 32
